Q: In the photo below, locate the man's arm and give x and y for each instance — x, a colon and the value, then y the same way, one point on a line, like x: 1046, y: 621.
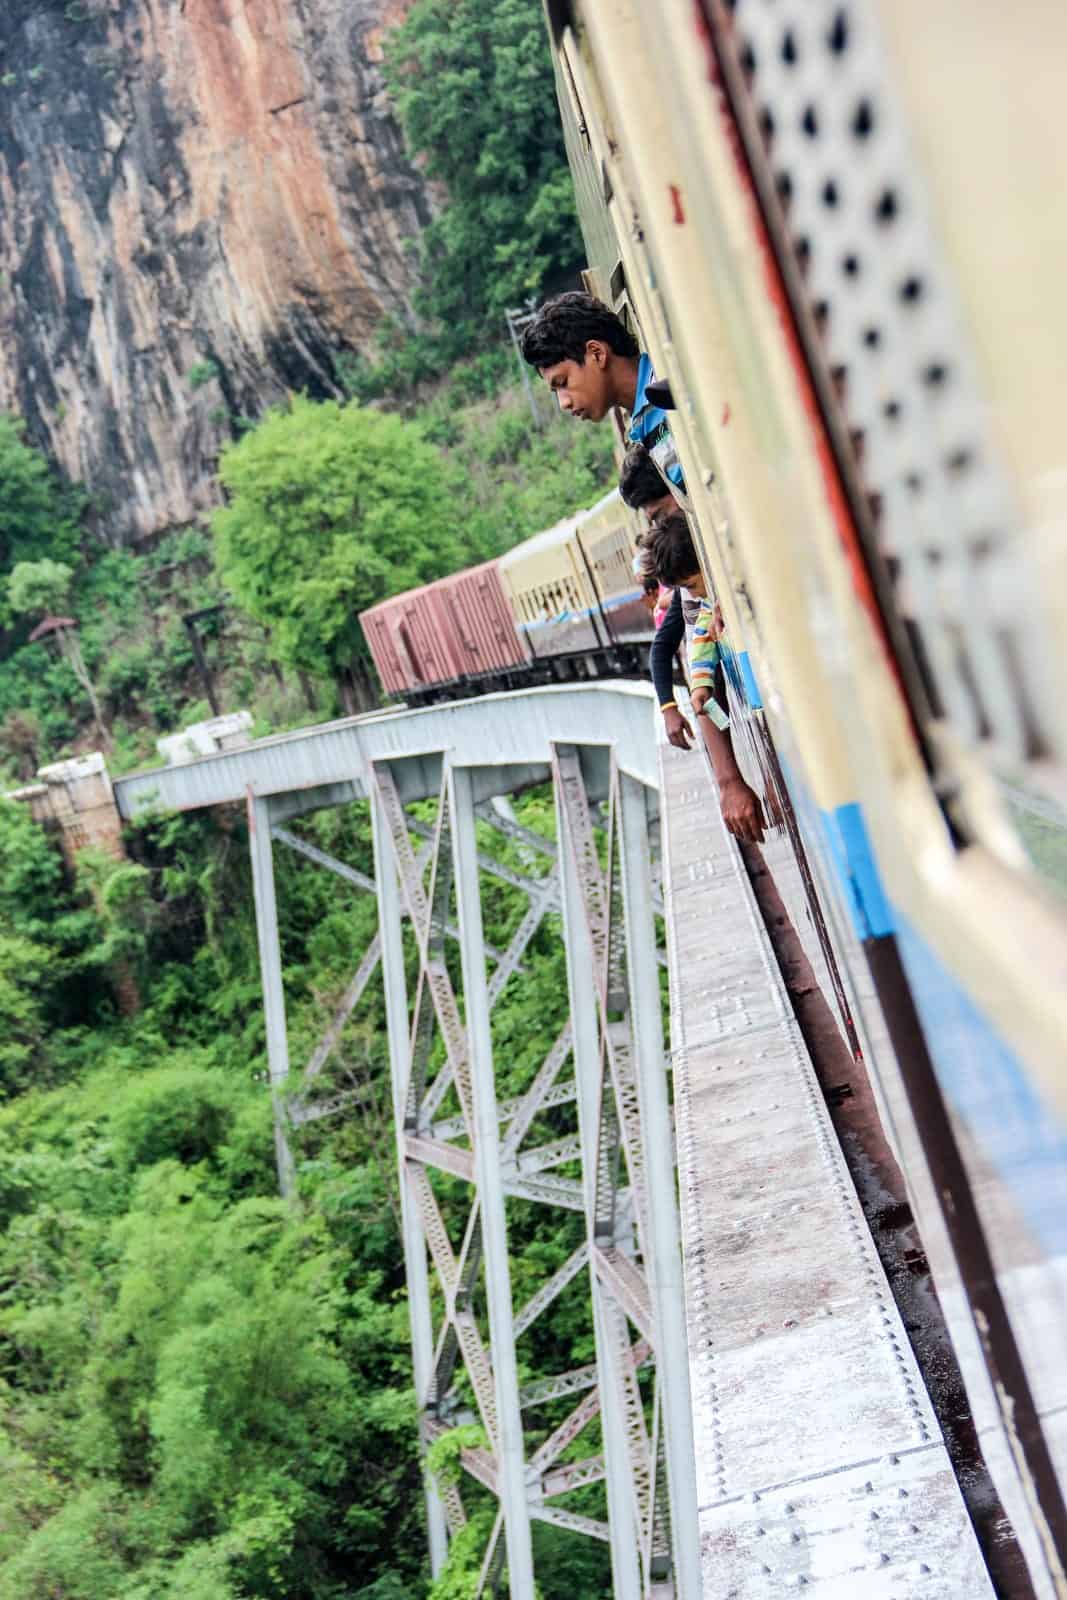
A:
x: 669, y: 636
x: 740, y: 805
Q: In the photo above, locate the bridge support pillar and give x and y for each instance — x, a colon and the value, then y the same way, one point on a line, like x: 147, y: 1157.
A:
x: 511, y: 1476
x: 625, y: 1537
x: 664, y: 1266
x: 270, y: 967
x: 390, y: 933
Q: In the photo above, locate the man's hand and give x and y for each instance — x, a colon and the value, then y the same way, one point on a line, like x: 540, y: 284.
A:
x: 698, y: 699
x: 678, y: 730
x: 741, y: 810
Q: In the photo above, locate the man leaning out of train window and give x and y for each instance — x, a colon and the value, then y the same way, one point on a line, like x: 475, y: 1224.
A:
x: 642, y: 489
x: 592, y: 363
x: 672, y: 558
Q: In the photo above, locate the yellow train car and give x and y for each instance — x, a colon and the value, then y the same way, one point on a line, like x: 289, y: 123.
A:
x: 573, y: 593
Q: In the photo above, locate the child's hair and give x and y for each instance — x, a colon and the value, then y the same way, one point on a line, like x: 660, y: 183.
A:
x: 564, y: 326
x: 671, y: 554
x: 639, y: 482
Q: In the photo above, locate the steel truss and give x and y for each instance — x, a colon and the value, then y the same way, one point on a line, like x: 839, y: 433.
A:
x: 629, y: 1425
x: 608, y: 1060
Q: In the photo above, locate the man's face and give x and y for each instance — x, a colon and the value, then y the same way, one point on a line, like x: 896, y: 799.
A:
x: 582, y: 387
x: 696, y: 586
x: 660, y: 508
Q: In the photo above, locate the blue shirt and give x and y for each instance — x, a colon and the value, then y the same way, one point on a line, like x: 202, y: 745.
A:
x: 649, y: 426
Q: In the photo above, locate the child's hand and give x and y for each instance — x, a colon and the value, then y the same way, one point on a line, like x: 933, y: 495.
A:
x: 678, y: 730
x: 699, y: 699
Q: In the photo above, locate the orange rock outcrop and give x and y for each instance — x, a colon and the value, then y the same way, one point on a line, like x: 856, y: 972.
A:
x: 185, y: 182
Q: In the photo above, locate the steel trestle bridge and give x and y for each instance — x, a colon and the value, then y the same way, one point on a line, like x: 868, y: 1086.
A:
x: 759, y: 1420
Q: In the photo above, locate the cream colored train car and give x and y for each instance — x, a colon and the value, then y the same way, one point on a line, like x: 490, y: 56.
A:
x: 840, y: 230
x: 573, y: 593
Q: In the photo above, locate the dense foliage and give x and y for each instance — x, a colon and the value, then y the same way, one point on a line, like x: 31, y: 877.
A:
x: 330, y: 509
x: 205, y: 1395
x: 472, y: 81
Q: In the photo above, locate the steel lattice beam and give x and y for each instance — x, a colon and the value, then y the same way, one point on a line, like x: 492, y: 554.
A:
x: 485, y: 1148
x: 550, y: 1289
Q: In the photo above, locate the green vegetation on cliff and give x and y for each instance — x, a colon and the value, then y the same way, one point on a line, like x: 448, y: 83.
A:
x: 473, y: 85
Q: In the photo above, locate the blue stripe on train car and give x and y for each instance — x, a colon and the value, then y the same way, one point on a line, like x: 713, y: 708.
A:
x: 749, y: 679
x: 857, y: 870
x: 982, y: 1079
x: 738, y: 668
x: 611, y: 604
x: 988, y: 1087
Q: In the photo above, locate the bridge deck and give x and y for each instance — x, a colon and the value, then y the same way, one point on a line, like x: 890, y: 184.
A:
x: 819, y: 1459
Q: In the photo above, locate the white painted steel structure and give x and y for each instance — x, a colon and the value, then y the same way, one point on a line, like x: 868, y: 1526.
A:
x: 596, y: 745
x: 717, y: 1479
x: 820, y: 1464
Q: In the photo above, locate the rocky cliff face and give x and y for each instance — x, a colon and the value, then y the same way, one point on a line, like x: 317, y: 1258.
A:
x: 215, y: 187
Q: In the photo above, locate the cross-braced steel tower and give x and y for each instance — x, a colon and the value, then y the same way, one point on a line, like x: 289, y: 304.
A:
x: 590, y: 1135
x: 608, y: 1062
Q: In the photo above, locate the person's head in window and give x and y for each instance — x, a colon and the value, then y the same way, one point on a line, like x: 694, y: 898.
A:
x: 671, y: 555
x: 641, y: 486
x: 586, y: 355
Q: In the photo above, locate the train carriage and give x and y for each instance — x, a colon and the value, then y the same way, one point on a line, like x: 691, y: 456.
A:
x: 457, y: 632
x: 562, y: 604
x: 869, y: 416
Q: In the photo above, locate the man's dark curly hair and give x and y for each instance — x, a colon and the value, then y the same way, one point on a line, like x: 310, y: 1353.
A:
x: 671, y: 555
x: 639, y: 481
x: 564, y: 326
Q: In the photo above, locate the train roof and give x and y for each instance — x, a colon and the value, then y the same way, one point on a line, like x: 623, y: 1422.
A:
x: 434, y: 583
x: 557, y: 534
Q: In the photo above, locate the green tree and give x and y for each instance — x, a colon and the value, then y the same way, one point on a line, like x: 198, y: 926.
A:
x: 38, y: 513
x: 36, y: 586
x: 473, y: 84
x: 331, y: 509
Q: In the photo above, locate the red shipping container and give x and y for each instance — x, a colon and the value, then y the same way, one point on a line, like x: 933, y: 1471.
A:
x: 481, y: 620
x: 458, y: 627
